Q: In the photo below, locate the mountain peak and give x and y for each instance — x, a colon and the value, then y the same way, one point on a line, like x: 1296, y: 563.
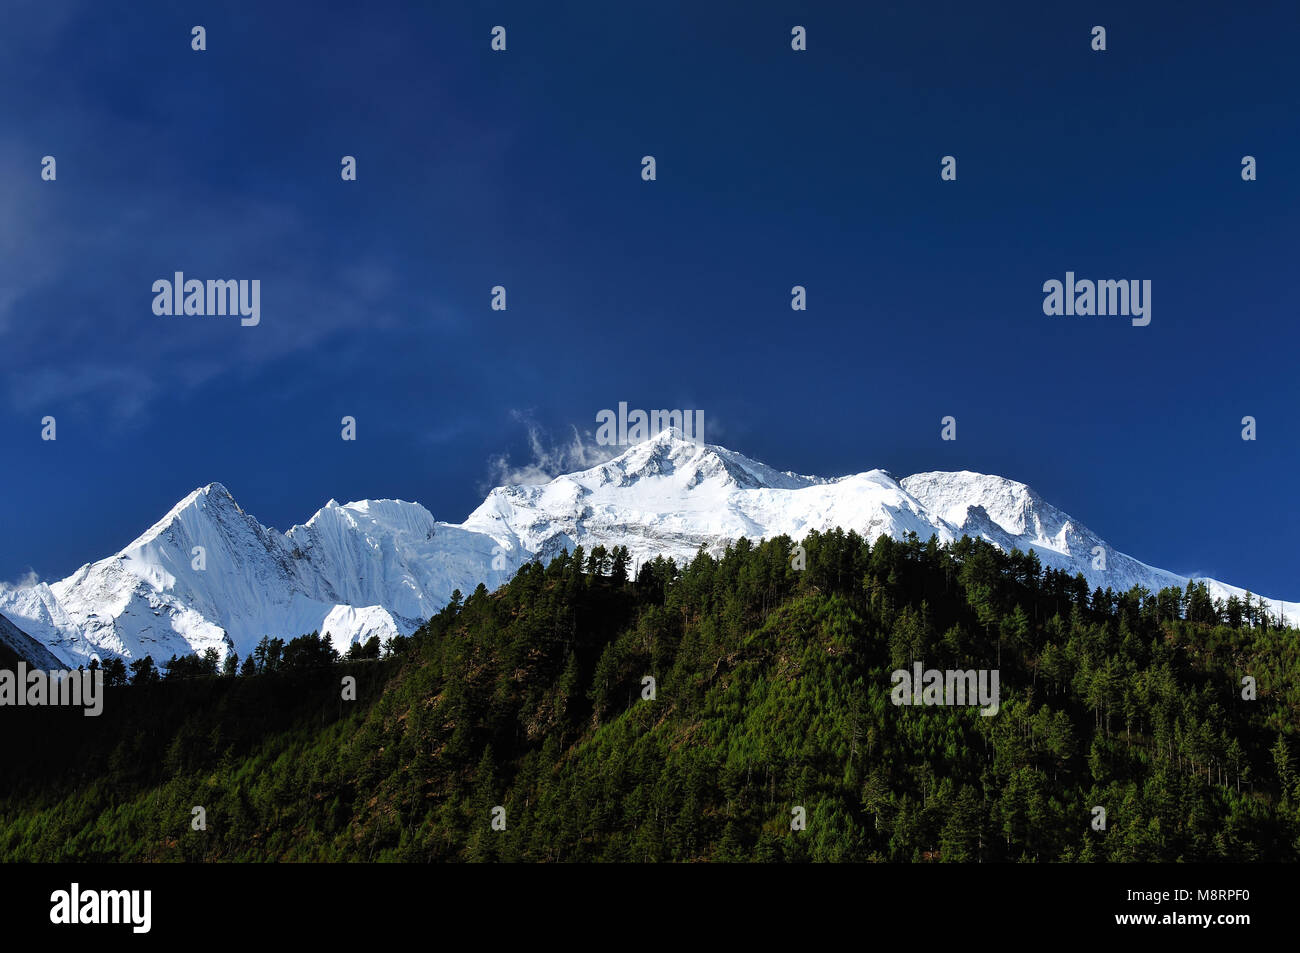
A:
x: 671, y: 454
x: 189, y: 508
x: 202, y: 494
x: 673, y: 435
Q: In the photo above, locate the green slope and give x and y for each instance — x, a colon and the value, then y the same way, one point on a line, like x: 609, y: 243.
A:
x: 772, y: 693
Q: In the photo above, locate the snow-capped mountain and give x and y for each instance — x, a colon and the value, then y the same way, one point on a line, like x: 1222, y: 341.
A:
x: 25, y: 647
x: 210, y: 575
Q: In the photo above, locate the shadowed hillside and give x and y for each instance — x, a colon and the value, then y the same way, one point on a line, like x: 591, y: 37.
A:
x: 772, y: 691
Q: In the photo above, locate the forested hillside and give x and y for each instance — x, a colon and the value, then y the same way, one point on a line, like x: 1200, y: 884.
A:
x: 772, y: 691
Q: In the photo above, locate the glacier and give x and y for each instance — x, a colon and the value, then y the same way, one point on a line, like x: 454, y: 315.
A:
x: 209, y: 575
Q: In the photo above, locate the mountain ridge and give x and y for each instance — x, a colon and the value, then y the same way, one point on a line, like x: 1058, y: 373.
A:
x: 210, y: 575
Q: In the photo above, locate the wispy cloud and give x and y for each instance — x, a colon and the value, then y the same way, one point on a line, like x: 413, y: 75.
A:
x: 549, y: 458
x: 76, y: 314
x: 26, y: 580
x: 78, y: 259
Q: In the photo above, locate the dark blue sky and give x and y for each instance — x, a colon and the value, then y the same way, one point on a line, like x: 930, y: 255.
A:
x: 775, y: 168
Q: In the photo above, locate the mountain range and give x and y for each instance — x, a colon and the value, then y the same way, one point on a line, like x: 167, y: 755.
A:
x: 209, y: 575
